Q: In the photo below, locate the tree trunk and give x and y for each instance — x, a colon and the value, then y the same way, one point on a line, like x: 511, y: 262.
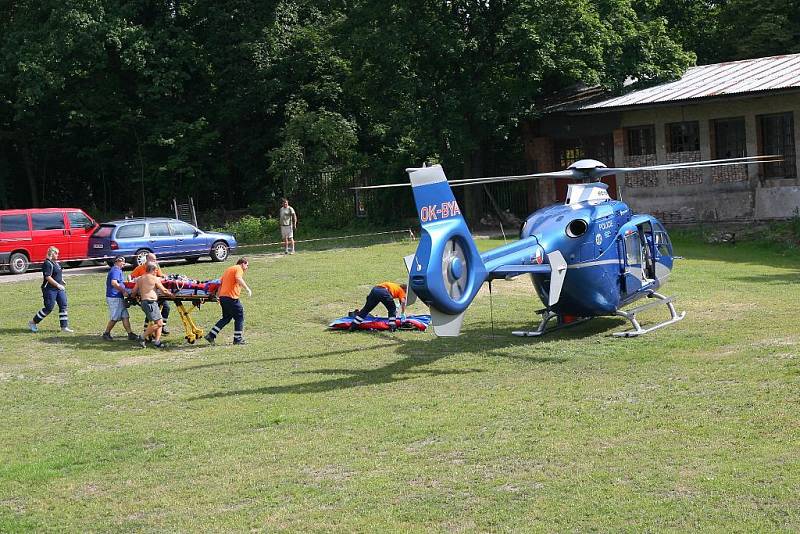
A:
x: 4, y: 174
x: 26, y: 158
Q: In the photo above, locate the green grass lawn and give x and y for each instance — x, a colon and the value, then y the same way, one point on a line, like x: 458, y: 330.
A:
x: 694, y: 426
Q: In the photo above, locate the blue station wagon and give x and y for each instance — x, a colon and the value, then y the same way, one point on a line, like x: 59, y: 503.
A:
x: 167, y: 238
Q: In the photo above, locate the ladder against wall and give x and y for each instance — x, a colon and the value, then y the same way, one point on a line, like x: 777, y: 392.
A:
x: 185, y: 211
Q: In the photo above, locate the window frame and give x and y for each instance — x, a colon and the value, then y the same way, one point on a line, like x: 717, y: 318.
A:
x: 80, y: 214
x: 633, y: 252
x: 23, y: 216
x: 734, y: 132
x: 787, y: 167
x: 685, y: 140
x: 173, y: 229
x: 150, y: 229
x: 53, y: 216
x: 131, y: 226
x: 641, y: 137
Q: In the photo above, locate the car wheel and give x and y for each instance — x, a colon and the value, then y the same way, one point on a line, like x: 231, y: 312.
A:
x: 141, y: 256
x: 18, y: 263
x: 219, y: 251
x: 73, y: 264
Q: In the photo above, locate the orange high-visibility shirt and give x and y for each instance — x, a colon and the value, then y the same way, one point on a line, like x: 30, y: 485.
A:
x: 141, y: 269
x: 396, y: 291
x: 230, y: 287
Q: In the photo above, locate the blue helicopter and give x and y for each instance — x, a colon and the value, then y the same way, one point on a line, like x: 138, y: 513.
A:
x: 588, y: 257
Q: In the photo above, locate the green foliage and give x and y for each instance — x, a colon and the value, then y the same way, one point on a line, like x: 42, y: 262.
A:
x: 236, y: 99
x: 725, y: 30
x: 250, y: 229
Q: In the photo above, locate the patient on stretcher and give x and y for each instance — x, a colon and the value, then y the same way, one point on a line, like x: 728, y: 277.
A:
x: 182, y: 286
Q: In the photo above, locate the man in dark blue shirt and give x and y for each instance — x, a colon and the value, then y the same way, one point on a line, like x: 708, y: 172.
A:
x: 53, y: 291
x: 115, y: 298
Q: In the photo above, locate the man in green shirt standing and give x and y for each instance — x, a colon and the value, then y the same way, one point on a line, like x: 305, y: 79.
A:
x: 287, y: 218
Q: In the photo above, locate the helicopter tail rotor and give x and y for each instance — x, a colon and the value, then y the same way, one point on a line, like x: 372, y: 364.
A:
x: 446, y: 272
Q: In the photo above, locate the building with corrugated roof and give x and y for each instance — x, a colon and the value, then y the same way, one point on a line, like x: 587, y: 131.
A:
x: 734, y: 109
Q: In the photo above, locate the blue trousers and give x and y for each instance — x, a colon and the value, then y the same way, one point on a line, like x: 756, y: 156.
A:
x: 51, y: 296
x: 232, y: 309
x: 378, y: 295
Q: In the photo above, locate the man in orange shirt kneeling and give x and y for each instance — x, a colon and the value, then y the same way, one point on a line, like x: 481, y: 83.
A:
x: 232, y: 282
x: 384, y: 293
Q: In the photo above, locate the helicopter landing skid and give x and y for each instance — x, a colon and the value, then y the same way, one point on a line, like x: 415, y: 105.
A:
x: 542, y: 328
x: 637, y: 328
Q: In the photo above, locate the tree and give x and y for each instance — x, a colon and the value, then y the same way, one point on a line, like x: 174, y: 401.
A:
x: 450, y: 80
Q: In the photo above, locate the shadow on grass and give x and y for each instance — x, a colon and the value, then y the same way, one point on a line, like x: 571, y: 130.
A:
x: 16, y: 331
x: 404, y: 369
x: 95, y: 342
x: 787, y: 278
x: 281, y: 358
x: 418, y: 353
x: 754, y: 252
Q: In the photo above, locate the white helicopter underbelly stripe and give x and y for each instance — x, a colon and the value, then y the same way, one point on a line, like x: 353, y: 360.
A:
x: 594, y: 264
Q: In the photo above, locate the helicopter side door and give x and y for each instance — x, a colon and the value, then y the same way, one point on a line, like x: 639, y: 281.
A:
x: 640, y: 267
x: 646, y: 241
x: 632, y: 274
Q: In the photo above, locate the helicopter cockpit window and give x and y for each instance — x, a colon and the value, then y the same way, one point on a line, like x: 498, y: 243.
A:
x: 526, y: 229
x: 633, y: 252
x: 662, y: 244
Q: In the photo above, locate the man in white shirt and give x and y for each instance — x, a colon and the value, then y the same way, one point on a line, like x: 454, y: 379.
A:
x: 287, y: 218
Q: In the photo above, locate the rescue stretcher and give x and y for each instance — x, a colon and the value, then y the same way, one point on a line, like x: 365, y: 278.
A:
x: 371, y: 322
x: 186, y: 291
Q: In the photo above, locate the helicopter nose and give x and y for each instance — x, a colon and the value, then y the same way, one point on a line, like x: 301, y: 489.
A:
x: 456, y: 268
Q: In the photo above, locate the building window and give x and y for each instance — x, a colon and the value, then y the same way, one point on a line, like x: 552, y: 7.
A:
x: 569, y: 154
x: 729, y: 138
x: 641, y: 140
x: 776, y: 137
x: 599, y: 147
x: 683, y: 137
x: 640, y: 151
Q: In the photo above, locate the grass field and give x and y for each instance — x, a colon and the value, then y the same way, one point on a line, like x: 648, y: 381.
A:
x: 694, y: 426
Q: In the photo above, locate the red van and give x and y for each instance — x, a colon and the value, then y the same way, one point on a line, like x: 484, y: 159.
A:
x: 25, y: 236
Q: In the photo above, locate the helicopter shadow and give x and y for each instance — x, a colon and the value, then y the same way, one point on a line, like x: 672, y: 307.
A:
x: 776, y: 279
x: 407, y: 368
x: 499, y: 338
x: 745, y: 253
x: 280, y: 358
x: 418, y: 354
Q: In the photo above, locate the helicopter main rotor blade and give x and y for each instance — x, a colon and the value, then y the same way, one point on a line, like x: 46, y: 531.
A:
x: 470, y: 181
x: 598, y: 172
x: 749, y: 160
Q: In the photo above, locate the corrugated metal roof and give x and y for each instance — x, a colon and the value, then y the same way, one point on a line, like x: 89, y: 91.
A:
x: 719, y: 79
